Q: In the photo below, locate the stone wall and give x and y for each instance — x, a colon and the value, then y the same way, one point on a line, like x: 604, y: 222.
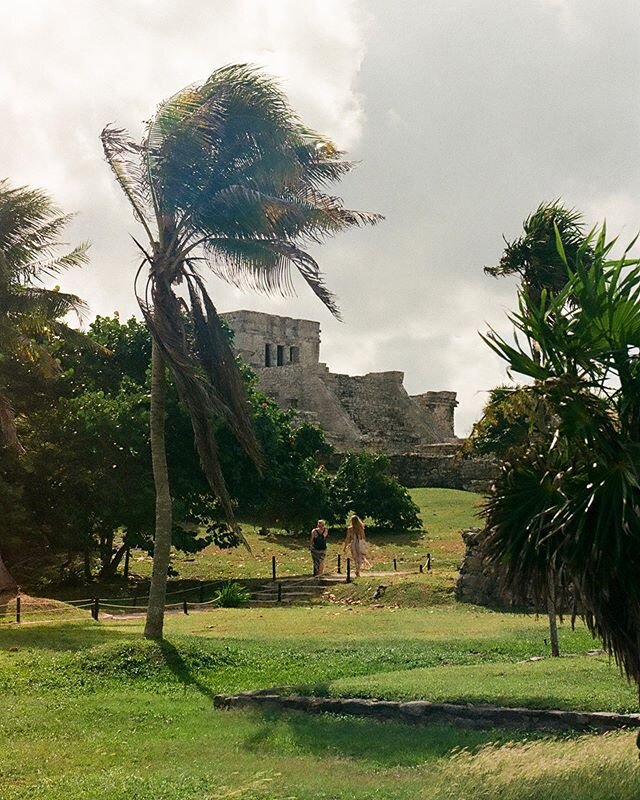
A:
x: 443, y: 466
x: 438, y: 408
x: 372, y: 411
x: 280, y: 340
x: 479, y: 581
x: 424, y: 712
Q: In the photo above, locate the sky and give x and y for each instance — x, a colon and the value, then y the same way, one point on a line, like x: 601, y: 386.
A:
x: 464, y: 115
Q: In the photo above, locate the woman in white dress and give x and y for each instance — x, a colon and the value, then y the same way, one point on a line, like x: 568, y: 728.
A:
x: 357, y: 544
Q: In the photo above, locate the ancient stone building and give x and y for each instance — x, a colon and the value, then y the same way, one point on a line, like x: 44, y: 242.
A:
x: 370, y: 411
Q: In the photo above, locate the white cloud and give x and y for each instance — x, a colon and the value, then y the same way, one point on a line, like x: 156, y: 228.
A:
x: 466, y: 116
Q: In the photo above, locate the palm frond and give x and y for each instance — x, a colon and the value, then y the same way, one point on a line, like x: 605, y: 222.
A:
x: 126, y: 159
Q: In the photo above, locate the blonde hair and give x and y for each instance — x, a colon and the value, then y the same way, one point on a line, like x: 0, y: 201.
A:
x: 357, y: 526
x: 321, y: 522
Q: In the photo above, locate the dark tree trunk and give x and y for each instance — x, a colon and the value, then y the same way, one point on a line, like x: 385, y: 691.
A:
x: 110, y: 568
x: 552, y: 613
x: 162, y: 538
x: 7, y: 583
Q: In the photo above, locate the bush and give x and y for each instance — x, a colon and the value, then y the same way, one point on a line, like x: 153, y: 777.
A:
x: 232, y: 595
x: 364, y: 484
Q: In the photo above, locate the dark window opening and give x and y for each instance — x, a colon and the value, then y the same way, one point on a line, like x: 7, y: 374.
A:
x: 280, y: 355
x: 267, y: 355
x: 294, y: 355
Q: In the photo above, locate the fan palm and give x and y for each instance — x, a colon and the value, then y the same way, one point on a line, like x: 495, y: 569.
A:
x: 225, y: 177
x: 30, y: 314
x: 573, y: 501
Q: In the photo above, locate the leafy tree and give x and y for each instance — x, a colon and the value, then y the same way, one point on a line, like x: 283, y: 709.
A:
x: 226, y: 176
x: 505, y: 424
x: 572, y: 504
x: 30, y: 229
x: 32, y: 315
x: 364, y: 485
x: 291, y: 491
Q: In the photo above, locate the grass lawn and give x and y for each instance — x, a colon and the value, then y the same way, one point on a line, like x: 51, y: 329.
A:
x: 444, y: 512
x: 92, y: 711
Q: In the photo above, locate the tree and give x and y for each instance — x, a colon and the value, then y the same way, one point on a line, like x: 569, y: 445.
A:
x: 573, y: 504
x: 364, y: 485
x: 31, y: 315
x: 543, y: 269
x: 226, y: 176
x: 534, y: 256
x: 30, y: 229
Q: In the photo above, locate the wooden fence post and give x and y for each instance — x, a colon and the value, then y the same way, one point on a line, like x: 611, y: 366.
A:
x: 184, y: 606
x: 395, y: 565
x: 279, y: 592
x: 96, y: 609
x: 18, y: 604
x: 273, y: 567
x: 428, y: 562
x: 348, y: 570
x: 126, y: 563
x: 421, y: 567
x: 339, y: 564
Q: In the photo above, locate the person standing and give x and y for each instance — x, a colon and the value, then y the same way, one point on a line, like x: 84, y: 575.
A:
x: 318, y: 541
x: 357, y: 544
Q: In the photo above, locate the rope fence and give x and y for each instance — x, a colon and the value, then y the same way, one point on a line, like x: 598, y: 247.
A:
x: 138, y: 604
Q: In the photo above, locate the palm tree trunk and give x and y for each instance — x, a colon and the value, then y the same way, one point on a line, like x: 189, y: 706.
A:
x: 551, y: 613
x: 162, y: 538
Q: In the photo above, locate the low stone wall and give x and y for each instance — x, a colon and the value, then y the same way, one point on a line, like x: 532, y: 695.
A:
x: 421, y: 711
x: 480, y: 581
x: 444, y: 468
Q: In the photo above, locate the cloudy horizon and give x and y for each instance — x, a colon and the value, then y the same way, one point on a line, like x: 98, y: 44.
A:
x: 464, y: 116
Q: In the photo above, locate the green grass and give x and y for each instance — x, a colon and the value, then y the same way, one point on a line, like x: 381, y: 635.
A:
x: 90, y: 710
x: 94, y: 712
x: 444, y: 512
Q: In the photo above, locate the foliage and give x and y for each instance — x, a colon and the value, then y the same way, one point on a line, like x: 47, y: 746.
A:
x: 364, y: 485
x: 31, y: 319
x: 225, y: 176
x: 291, y: 491
x: 571, y: 503
x: 232, y: 595
x: 506, y: 424
x: 84, y: 484
x: 535, y: 257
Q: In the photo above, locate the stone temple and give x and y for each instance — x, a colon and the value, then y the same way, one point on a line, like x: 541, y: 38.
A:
x: 372, y: 411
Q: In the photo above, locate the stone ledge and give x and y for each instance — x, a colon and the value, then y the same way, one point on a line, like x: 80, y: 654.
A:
x: 422, y: 711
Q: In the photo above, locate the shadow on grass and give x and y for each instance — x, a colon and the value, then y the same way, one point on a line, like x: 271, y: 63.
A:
x: 377, y: 743
x: 63, y: 636
x: 179, y: 667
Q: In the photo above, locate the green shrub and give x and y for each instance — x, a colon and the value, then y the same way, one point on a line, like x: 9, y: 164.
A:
x: 364, y: 484
x: 232, y: 595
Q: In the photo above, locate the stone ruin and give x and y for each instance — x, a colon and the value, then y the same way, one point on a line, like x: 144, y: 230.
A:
x: 372, y: 411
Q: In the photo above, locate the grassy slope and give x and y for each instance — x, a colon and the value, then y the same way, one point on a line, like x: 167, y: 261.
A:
x: 444, y: 513
x: 91, y: 711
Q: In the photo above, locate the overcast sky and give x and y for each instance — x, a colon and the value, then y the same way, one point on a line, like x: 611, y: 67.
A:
x: 464, y: 114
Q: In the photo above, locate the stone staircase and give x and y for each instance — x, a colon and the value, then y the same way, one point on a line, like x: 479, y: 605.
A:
x: 293, y: 589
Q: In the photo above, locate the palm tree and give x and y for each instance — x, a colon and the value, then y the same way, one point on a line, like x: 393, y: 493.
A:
x: 224, y: 177
x: 573, y: 502
x: 535, y: 257
x: 31, y: 315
